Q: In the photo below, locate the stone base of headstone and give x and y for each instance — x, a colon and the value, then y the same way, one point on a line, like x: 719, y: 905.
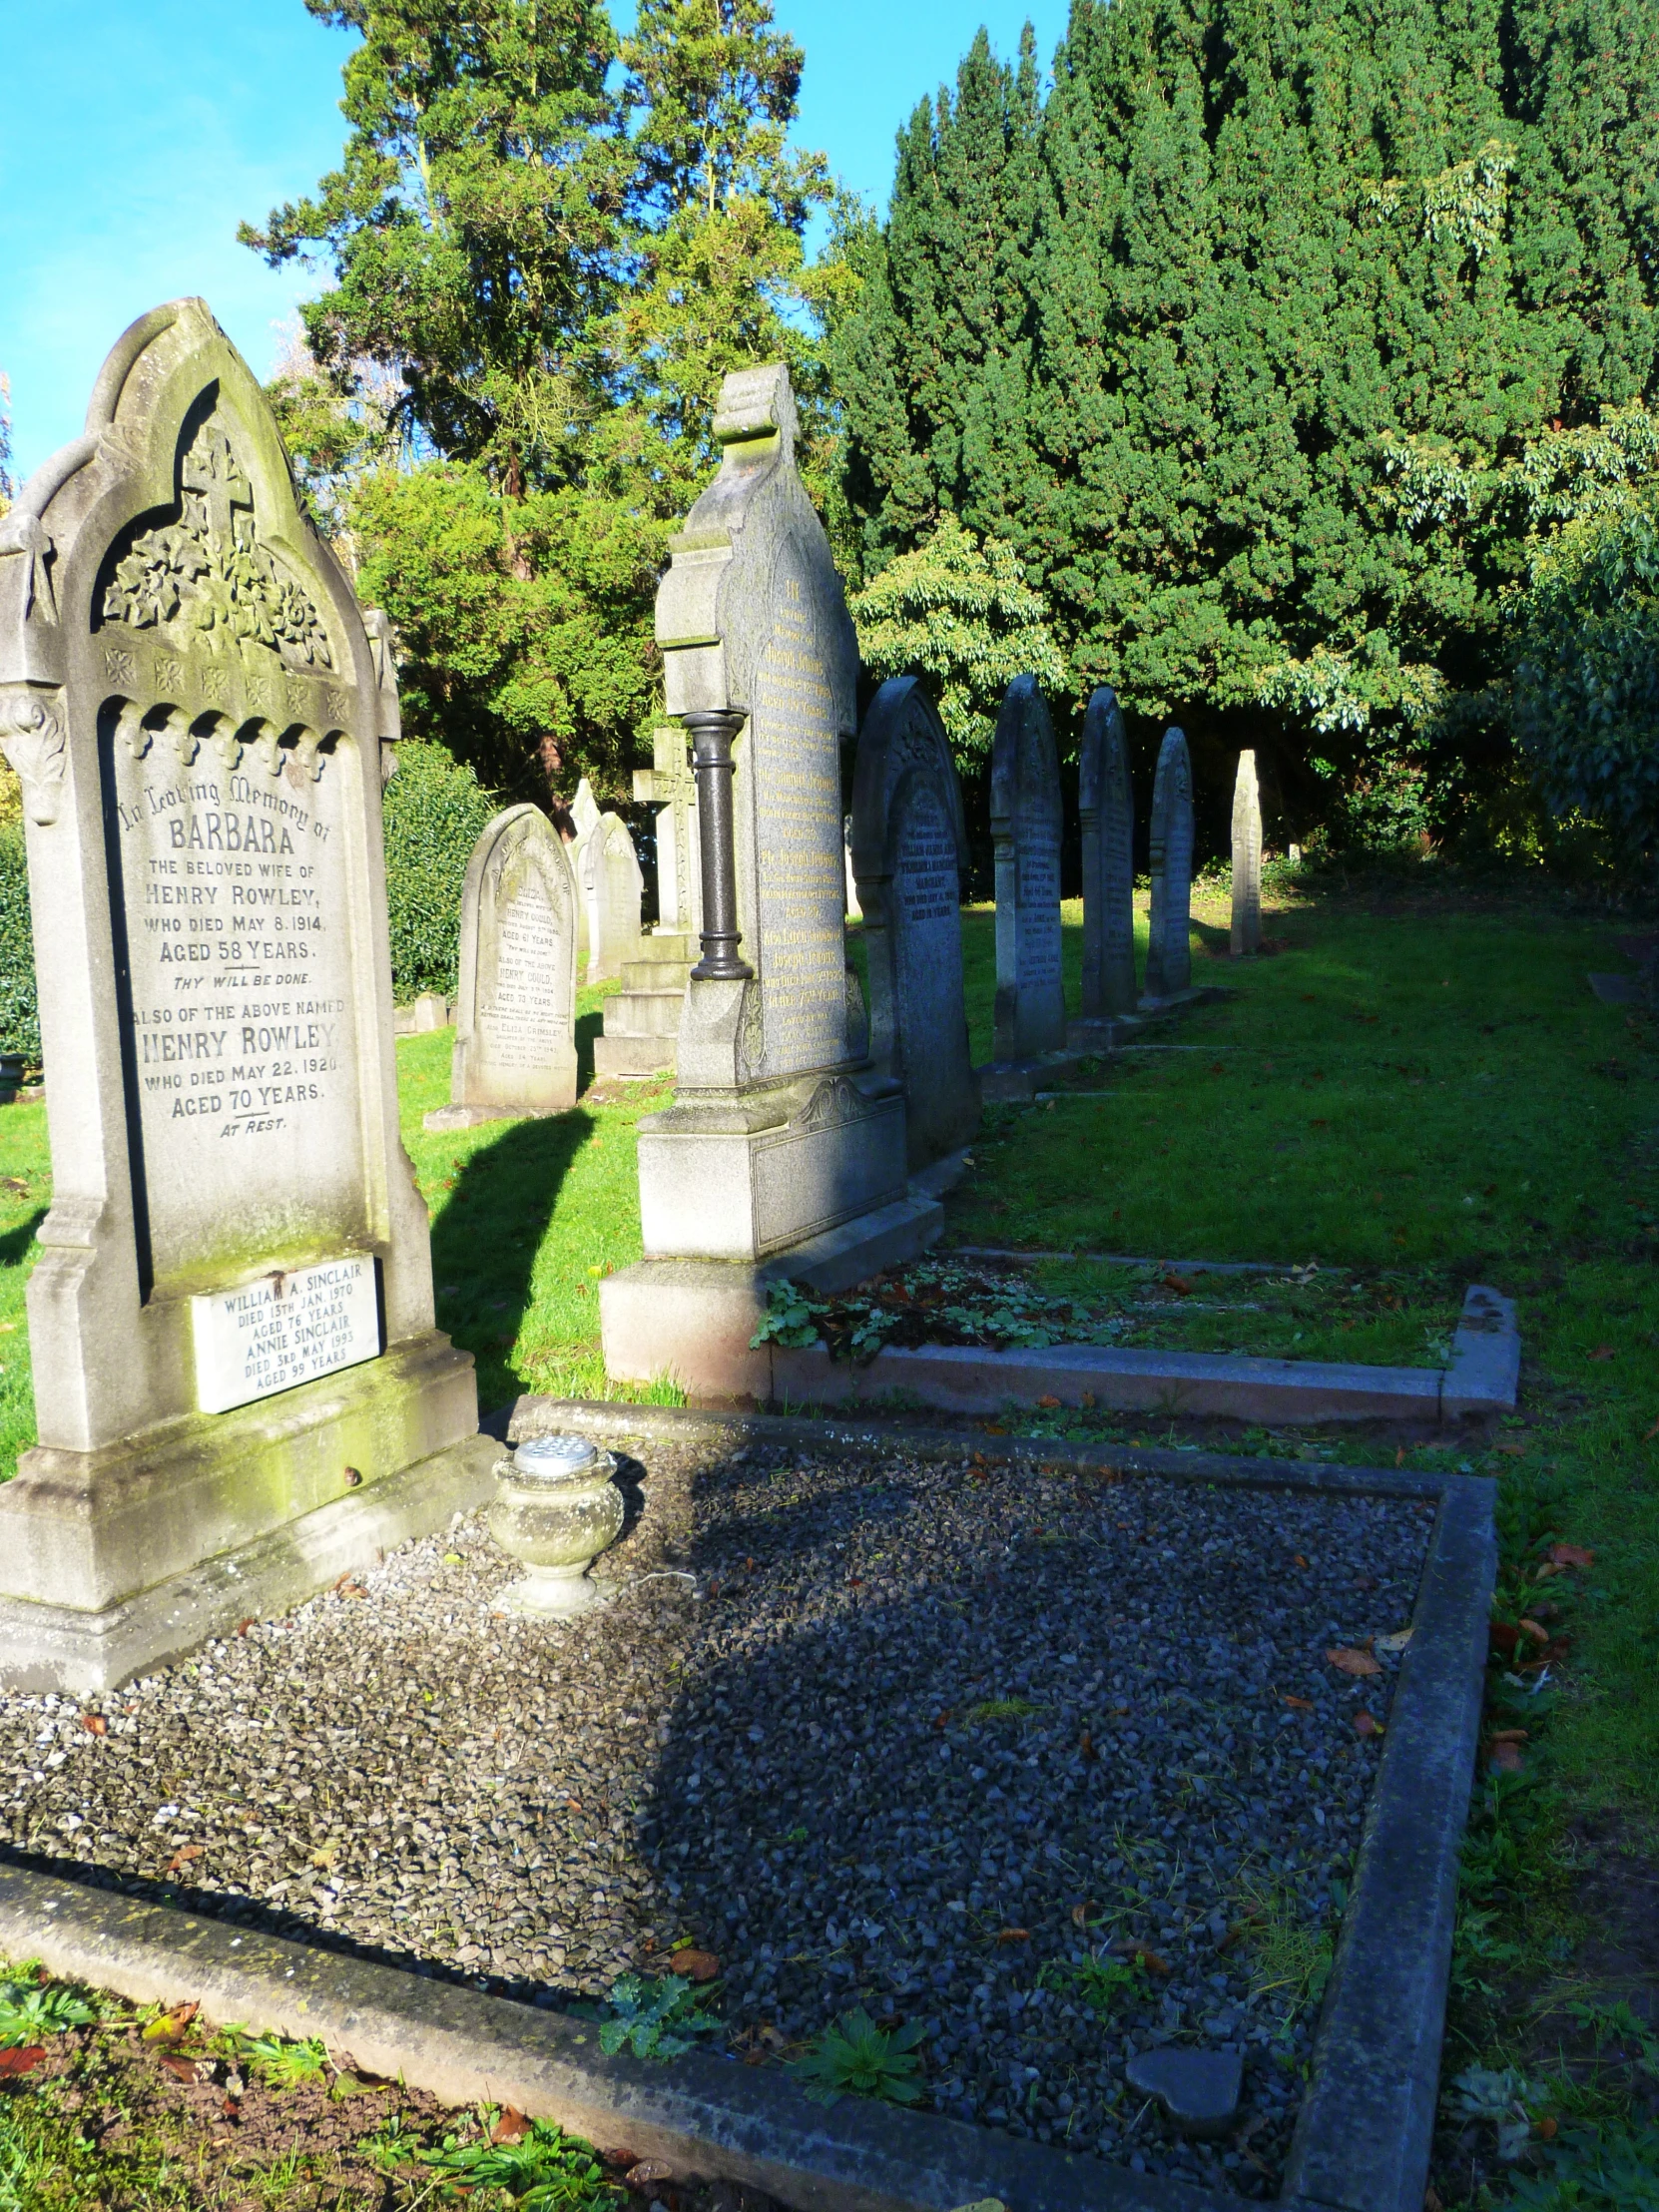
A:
x: 116, y: 1560
x: 692, y: 1321
x: 641, y: 1022
x: 1200, y: 994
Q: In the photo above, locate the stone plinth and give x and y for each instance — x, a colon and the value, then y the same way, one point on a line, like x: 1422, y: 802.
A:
x: 198, y: 711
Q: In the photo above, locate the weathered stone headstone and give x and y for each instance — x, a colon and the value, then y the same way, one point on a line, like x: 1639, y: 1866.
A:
x: 583, y: 812
x: 515, y: 1035
x: 609, y: 869
x: 780, y: 1130
x: 1107, y: 804
x: 239, y: 1386
x: 909, y: 847
x: 1026, y: 832
x: 1247, y: 861
x: 431, y: 1010
x: 1169, y: 957
x: 584, y: 809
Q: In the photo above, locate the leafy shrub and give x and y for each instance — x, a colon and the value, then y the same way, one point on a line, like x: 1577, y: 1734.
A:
x: 434, y: 810
x: 19, y: 1005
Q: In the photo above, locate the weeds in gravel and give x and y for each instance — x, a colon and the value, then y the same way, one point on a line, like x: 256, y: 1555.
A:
x: 1290, y: 1955
x: 1000, y: 1709
x: 1100, y: 1981
x: 870, y: 2061
x: 654, y: 2018
x: 282, y: 2065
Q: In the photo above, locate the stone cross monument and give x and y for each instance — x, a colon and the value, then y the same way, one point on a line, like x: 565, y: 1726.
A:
x: 1169, y: 956
x: 1026, y: 832
x: 1107, y: 804
x: 515, y: 1033
x: 780, y: 1131
x: 1247, y: 861
x: 240, y: 1390
x: 910, y: 848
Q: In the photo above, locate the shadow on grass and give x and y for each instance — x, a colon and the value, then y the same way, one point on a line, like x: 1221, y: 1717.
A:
x: 15, y: 1244
x: 484, y: 1241
x: 588, y: 1026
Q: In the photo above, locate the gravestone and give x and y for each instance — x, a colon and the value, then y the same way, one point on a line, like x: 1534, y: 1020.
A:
x: 610, y: 869
x: 780, y: 1131
x: 584, y: 809
x: 240, y: 1390
x: 515, y: 1034
x: 908, y: 849
x: 1169, y: 957
x: 1025, y: 833
x: 1247, y: 861
x: 669, y: 786
x: 583, y: 812
x: 642, y: 1021
x: 431, y: 1010
x: 1107, y: 806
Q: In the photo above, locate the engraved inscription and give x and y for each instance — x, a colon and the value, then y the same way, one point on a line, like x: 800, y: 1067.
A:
x: 519, y: 1008
x: 239, y: 1009
x: 283, y: 1329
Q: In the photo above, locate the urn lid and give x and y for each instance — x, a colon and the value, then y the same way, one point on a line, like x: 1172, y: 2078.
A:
x: 554, y: 1458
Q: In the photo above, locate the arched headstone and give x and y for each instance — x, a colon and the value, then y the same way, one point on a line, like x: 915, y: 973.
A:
x: 1107, y: 804
x: 232, y: 1319
x: 1026, y: 832
x: 515, y: 1033
x: 613, y: 886
x: 1169, y: 956
x: 908, y: 849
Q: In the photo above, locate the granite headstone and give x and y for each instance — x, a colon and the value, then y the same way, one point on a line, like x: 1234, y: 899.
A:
x: 1025, y: 833
x: 1247, y: 861
x: 910, y: 848
x: 238, y: 1386
x: 1107, y: 806
x: 1169, y: 957
x: 515, y: 1034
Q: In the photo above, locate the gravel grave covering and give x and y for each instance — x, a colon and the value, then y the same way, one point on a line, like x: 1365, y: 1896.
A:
x: 1057, y: 1765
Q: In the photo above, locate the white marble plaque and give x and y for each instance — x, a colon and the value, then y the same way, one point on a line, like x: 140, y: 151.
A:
x: 280, y: 1330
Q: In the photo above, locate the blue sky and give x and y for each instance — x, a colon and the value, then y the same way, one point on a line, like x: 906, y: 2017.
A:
x: 137, y: 137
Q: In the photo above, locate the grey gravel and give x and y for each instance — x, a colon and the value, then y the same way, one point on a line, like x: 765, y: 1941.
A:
x: 773, y: 1742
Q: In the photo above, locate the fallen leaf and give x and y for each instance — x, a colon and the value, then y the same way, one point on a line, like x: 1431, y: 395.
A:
x: 1602, y: 1352
x: 1048, y: 1405
x: 325, y: 1857
x: 701, y: 1965
x: 1400, y: 1457
x: 511, y: 2127
x: 1540, y: 1636
x: 1396, y: 1642
x: 1179, y: 1285
x: 1517, y: 1450
x: 647, y: 2171
x: 1080, y: 1912
x: 1508, y: 1734
x: 1547, y: 2128
x: 1354, y: 1662
x: 229, y: 2109
x: 1086, y: 1745
x: 183, y: 1858
x: 170, y: 2026
x: 1571, y: 1556
x: 95, y: 1724
x: 1013, y: 1934
x: 1149, y: 1957
x: 22, y: 2062
x: 1297, y: 1704
x: 183, y: 2069
x: 1319, y: 1125
x: 1368, y: 1724
x: 1506, y: 1758
x: 243, y: 1627
x: 1296, y: 1561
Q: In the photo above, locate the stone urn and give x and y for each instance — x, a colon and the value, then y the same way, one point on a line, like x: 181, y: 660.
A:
x: 556, y: 1508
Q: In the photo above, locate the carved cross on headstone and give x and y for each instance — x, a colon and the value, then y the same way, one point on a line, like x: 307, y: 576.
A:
x: 212, y: 471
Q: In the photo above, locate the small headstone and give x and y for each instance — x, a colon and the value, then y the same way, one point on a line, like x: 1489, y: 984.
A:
x: 908, y: 849
x: 1026, y: 832
x: 423, y: 1014
x: 515, y: 1037
x: 609, y: 871
x: 584, y: 809
x: 1169, y: 957
x: 233, y: 1310
x: 1107, y: 804
x: 1199, y: 2090
x: 1247, y: 861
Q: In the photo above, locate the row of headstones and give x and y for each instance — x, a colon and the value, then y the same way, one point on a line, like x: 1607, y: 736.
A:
x: 1025, y: 833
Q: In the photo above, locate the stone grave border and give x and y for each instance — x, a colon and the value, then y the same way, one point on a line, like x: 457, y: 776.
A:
x: 1363, y: 2135
x: 1480, y: 1378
